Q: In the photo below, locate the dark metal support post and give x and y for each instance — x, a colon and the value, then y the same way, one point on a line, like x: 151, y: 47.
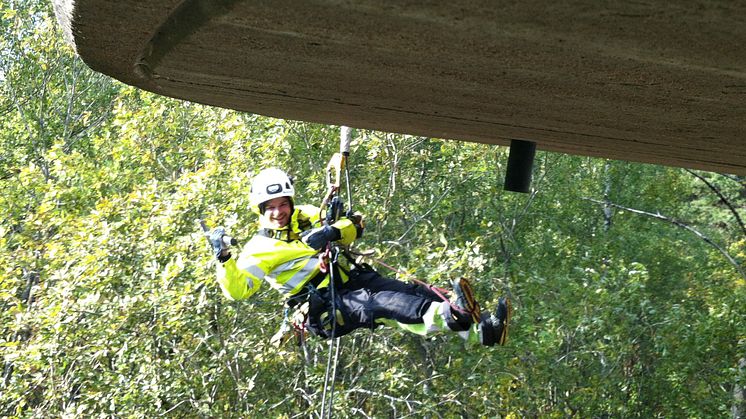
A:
x: 520, y: 164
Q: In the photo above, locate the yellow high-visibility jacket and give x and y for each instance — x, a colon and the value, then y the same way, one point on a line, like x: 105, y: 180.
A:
x: 279, y: 257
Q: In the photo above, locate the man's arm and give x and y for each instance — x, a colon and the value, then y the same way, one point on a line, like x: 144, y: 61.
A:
x: 348, y: 231
x: 236, y: 283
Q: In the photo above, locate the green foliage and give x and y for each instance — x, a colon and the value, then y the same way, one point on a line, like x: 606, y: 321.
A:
x: 108, y: 305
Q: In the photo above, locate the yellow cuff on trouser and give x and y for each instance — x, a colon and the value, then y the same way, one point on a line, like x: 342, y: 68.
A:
x: 432, y: 322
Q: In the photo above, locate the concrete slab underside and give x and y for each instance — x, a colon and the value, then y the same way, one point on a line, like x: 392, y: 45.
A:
x: 651, y: 82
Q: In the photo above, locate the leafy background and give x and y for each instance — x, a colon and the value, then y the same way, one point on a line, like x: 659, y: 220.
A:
x: 627, y: 279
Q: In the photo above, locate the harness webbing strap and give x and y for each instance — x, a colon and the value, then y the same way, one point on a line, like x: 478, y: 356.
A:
x: 283, y: 235
x: 288, y: 234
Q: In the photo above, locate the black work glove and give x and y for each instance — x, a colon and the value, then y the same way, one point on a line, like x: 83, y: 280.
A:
x: 335, y: 210
x: 319, y: 237
x: 358, y: 221
x: 219, y: 247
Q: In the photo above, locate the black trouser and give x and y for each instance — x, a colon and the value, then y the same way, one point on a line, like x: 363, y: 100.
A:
x: 368, y: 296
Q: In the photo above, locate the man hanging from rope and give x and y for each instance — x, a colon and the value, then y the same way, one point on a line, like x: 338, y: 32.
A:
x: 285, y: 253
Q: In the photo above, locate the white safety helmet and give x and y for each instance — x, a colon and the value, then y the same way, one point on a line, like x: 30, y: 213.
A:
x: 270, y: 184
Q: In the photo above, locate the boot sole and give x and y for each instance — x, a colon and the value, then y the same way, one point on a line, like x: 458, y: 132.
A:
x: 503, y: 338
x: 465, y: 292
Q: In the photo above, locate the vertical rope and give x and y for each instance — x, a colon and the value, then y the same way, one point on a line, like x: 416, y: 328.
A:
x: 332, y: 359
x: 333, y: 253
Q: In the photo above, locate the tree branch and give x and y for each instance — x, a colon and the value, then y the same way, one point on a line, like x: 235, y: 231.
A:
x: 408, y: 402
x: 425, y: 214
x: 723, y: 199
x: 678, y: 224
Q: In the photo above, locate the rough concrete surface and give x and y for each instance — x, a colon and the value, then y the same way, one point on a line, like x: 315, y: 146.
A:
x: 654, y: 81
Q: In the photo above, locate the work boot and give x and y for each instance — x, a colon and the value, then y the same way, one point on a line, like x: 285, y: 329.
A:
x: 465, y: 298
x: 463, y: 311
x: 493, y: 328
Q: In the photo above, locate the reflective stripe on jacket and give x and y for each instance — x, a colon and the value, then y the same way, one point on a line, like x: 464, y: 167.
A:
x: 286, y: 263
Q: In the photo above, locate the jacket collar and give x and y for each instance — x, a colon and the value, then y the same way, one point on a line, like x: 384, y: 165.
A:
x: 290, y: 232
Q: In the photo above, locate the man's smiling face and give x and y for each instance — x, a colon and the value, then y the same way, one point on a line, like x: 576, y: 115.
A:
x: 277, y: 212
